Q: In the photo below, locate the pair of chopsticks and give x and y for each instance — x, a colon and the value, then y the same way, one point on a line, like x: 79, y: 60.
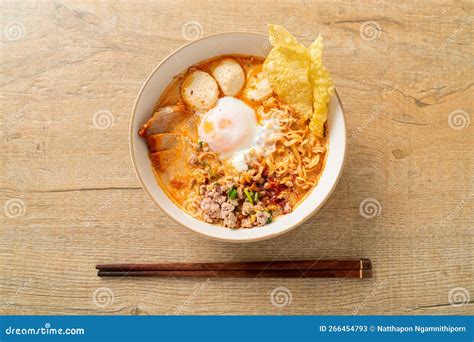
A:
x: 361, y: 268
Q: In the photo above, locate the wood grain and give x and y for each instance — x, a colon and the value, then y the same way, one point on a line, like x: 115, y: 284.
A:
x: 80, y: 203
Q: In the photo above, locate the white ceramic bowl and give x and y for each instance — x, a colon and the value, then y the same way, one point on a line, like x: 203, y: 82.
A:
x: 156, y: 83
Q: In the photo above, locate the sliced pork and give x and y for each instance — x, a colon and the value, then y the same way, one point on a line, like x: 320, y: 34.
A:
x: 164, y: 120
x: 164, y: 141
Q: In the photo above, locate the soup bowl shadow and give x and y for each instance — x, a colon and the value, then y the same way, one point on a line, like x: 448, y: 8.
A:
x: 177, y: 62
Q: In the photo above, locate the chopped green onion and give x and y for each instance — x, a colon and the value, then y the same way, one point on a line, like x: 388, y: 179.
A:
x: 232, y: 193
x: 249, y: 195
x: 270, y: 218
x: 200, y: 142
x: 255, y: 197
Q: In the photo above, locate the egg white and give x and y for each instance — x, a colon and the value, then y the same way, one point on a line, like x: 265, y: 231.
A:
x: 241, y: 139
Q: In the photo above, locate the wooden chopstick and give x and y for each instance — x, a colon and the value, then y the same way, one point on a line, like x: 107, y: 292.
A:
x: 253, y: 265
x: 277, y: 269
x: 356, y: 273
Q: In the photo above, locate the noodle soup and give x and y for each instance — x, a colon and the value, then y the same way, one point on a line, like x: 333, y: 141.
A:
x: 227, y: 149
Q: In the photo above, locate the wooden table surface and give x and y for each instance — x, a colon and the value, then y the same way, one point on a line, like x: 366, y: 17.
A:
x: 70, y: 75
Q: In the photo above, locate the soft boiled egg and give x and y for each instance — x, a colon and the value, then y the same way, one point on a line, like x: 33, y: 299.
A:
x: 231, y: 130
x: 229, y: 126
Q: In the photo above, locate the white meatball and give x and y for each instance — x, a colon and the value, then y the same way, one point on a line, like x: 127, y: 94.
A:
x: 230, y: 76
x: 258, y: 87
x: 199, y: 90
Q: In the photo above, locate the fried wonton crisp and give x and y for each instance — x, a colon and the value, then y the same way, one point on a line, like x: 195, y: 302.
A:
x: 322, y: 87
x: 298, y: 77
x: 287, y: 68
x: 287, y: 71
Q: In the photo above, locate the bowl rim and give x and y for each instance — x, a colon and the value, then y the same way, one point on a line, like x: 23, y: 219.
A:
x: 151, y: 197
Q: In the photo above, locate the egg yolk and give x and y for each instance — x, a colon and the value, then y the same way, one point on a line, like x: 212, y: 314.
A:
x: 208, y: 127
x: 224, y: 123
